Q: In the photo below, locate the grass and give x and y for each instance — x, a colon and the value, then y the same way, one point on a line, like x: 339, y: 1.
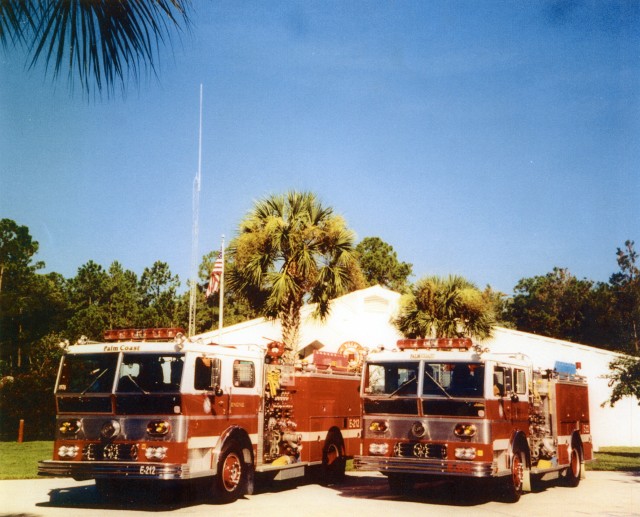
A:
x: 20, y: 460
x: 616, y: 458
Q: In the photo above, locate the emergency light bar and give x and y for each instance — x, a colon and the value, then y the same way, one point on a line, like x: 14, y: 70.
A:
x: 159, y: 334
x: 436, y: 343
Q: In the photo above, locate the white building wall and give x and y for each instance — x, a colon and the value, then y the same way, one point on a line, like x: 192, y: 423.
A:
x: 362, y: 316
x: 365, y: 317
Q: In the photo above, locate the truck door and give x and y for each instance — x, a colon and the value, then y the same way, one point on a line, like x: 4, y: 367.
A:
x: 520, y: 398
x: 243, y: 388
x: 510, y: 386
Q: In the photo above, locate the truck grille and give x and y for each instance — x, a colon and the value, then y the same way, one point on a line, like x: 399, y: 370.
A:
x: 420, y: 450
x: 110, y: 452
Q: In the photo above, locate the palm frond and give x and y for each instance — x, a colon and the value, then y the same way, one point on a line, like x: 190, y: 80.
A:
x: 101, y: 41
x: 445, y: 307
x: 308, y: 251
x: 16, y: 22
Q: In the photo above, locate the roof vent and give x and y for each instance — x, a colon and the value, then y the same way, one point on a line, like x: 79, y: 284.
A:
x: 376, y: 304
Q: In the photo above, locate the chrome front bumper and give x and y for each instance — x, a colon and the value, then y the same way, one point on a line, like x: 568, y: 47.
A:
x: 424, y: 466
x: 112, y: 469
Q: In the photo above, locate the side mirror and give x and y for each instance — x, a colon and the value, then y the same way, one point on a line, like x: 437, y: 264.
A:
x: 218, y: 391
x: 514, y: 397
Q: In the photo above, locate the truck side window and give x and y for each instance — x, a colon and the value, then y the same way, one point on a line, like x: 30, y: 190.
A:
x: 520, y: 381
x: 502, y: 381
x: 244, y: 374
x: 207, y: 374
x: 498, y: 382
x: 375, y: 379
x: 508, y: 381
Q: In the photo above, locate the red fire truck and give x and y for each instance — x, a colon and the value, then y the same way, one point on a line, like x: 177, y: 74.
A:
x: 153, y: 405
x: 449, y: 409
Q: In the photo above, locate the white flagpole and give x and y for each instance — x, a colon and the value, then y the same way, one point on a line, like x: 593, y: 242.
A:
x: 195, y: 230
x: 220, y: 316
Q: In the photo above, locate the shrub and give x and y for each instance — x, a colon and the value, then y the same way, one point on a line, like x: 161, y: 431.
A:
x: 28, y: 397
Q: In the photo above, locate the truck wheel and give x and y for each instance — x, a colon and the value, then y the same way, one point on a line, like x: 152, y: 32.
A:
x: 513, y: 484
x: 231, y: 480
x: 333, y: 460
x: 572, y: 477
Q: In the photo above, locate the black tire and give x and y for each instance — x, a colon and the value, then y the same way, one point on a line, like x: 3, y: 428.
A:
x: 572, y: 476
x: 334, y: 461
x: 230, y: 482
x: 512, y: 485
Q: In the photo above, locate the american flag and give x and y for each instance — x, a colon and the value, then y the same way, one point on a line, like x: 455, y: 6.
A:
x: 216, y: 274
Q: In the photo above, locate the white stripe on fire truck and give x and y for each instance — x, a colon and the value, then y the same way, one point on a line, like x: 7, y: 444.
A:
x: 207, y: 442
x: 317, y: 436
x: 505, y: 443
x: 501, y: 445
x: 203, y: 442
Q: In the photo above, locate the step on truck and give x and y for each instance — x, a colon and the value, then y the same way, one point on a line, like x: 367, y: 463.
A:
x: 448, y: 409
x: 153, y: 405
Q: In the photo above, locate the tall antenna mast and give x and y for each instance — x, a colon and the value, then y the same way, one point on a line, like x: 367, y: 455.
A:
x: 194, y: 237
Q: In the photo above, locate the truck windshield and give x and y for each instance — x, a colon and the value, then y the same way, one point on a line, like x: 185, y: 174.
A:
x: 150, y: 373
x: 87, y: 373
x: 439, y: 379
x: 453, y: 379
x: 396, y: 378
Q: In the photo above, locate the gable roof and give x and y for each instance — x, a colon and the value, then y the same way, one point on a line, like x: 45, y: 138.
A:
x: 362, y: 316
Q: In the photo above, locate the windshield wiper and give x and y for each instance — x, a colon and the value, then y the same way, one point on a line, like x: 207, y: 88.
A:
x: 403, y: 385
x: 135, y: 383
x: 94, y: 381
x: 437, y: 384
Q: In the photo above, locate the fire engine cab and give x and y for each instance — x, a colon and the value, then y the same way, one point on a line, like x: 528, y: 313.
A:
x: 448, y: 408
x: 154, y: 405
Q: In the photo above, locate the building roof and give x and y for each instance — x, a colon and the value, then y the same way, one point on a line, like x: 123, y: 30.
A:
x: 362, y: 316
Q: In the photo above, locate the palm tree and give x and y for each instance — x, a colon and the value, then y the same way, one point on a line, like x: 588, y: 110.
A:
x: 446, y: 307
x: 290, y: 250
x: 102, y: 41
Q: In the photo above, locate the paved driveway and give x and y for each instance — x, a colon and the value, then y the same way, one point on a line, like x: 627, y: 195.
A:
x: 363, y: 494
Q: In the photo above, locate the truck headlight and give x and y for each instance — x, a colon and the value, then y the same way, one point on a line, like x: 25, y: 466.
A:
x: 155, y: 453
x: 465, y: 453
x: 70, y: 427
x: 379, y: 426
x: 68, y: 451
x: 378, y: 449
x: 465, y: 430
x: 158, y: 427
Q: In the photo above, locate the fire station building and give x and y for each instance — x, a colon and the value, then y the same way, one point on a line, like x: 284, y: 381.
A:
x: 363, y: 320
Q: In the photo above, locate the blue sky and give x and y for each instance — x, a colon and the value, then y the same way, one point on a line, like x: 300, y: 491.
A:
x: 494, y: 140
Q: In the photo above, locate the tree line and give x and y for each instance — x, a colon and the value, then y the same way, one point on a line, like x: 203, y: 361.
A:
x: 308, y: 255
x: 289, y: 250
